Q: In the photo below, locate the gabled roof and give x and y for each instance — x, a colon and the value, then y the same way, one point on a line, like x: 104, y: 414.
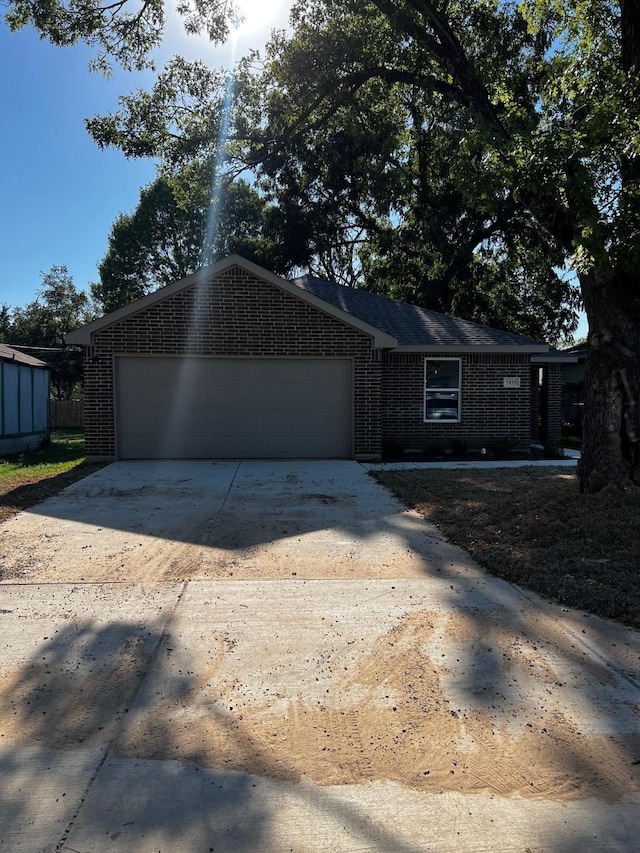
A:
x: 14, y: 356
x: 82, y: 336
x: 391, y: 325
x: 414, y: 327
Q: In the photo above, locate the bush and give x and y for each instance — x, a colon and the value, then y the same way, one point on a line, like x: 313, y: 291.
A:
x: 431, y: 452
x: 391, y: 449
x: 459, y: 447
x: 501, y: 448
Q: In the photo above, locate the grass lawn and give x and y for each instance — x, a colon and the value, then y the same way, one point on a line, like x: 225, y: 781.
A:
x: 531, y: 526
x: 28, y: 478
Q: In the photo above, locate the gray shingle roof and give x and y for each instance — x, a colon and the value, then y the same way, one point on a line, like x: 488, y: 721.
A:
x: 411, y: 325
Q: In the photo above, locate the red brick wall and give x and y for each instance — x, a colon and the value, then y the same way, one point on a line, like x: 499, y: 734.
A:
x: 489, y: 411
x: 235, y: 314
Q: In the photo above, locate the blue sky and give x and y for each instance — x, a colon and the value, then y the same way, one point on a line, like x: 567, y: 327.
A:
x: 59, y: 193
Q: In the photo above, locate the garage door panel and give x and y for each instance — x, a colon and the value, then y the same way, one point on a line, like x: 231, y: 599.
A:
x: 139, y: 422
x: 277, y: 398
x: 137, y: 370
x: 318, y: 422
x: 171, y: 407
x: 324, y: 397
x: 247, y: 399
x: 277, y: 422
x: 135, y: 395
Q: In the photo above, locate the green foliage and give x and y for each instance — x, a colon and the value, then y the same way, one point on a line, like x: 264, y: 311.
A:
x: 502, y: 447
x: 432, y: 452
x: 125, y: 30
x: 398, y: 150
x: 457, y: 155
x: 391, y: 450
x: 5, y: 323
x: 459, y: 447
x: 167, y: 236
x: 58, y: 308
x: 65, y: 450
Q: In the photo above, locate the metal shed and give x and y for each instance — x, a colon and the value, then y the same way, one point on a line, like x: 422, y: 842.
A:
x: 24, y: 401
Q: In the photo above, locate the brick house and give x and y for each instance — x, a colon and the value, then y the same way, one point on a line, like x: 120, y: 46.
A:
x: 235, y: 362
x: 572, y: 373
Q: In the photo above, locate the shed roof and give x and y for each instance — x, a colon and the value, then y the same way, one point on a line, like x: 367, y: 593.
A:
x: 14, y: 356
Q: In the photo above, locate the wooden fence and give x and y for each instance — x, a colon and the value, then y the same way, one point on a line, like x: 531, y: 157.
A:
x: 66, y: 413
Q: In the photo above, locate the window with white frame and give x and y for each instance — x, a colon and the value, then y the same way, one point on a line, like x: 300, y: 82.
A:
x: 442, y: 383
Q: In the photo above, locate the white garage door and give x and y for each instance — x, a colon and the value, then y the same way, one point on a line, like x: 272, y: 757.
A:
x: 190, y: 408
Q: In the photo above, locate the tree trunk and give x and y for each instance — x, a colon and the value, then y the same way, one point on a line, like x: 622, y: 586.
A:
x: 610, y: 451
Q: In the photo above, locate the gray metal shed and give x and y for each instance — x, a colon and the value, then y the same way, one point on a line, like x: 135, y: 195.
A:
x: 24, y: 401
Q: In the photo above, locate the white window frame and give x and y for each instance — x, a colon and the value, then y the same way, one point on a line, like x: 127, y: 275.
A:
x: 457, y: 390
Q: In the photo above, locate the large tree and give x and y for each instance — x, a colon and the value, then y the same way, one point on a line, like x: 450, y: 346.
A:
x: 126, y: 31
x: 370, y: 191
x: 181, y: 223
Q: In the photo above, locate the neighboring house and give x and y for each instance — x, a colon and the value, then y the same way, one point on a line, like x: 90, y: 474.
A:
x: 572, y: 375
x: 236, y: 362
x: 24, y: 401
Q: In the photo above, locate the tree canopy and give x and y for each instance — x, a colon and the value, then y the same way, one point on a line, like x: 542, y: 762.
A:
x: 126, y: 31
x: 375, y: 180
x: 182, y: 223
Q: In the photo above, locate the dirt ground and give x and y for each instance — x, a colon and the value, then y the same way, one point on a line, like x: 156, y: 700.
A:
x: 300, y: 680
x: 25, y: 491
x: 151, y: 526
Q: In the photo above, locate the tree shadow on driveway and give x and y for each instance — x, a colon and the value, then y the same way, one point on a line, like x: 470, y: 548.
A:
x: 64, y: 784
x: 77, y: 772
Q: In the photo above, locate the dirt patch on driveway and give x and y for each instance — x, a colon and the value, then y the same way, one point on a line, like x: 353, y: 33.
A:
x: 385, y: 716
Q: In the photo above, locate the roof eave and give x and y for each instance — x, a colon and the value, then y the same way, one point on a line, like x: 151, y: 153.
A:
x: 508, y: 349
x: 555, y: 358
x: 24, y: 360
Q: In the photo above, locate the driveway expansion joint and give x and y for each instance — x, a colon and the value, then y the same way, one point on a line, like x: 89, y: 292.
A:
x: 153, y: 657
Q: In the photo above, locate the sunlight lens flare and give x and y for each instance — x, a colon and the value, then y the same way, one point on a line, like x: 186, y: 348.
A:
x: 256, y: 15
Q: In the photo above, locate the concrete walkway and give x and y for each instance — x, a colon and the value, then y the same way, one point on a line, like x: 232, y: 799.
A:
x: 439, y: 709
x: 570, y: 461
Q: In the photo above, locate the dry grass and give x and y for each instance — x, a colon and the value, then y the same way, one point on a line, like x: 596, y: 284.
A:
x: 531, y: 526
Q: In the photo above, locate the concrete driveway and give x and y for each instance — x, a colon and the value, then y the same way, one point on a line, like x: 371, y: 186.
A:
x: 276, y: 656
